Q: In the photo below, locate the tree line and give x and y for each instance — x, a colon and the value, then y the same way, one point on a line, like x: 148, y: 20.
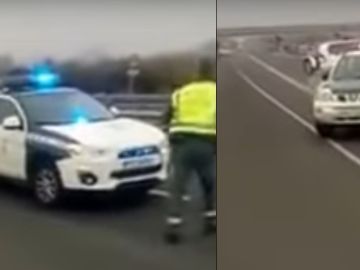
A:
x: 157, y: 74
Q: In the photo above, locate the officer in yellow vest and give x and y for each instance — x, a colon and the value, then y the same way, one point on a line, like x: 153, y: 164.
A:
x: 192, y: 132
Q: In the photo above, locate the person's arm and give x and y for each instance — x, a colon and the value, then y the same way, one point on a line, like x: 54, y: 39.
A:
x: 168, y: 115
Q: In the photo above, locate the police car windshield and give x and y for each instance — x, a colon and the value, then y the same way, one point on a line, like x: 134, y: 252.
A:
x: 348, y: 68
x: 60, y: 108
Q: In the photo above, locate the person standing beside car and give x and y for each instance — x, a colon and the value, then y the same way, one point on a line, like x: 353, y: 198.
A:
x: 191, y: 119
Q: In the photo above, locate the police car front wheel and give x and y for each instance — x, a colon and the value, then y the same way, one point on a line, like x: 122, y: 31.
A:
x: 324, y: 130
x: 47, y: 186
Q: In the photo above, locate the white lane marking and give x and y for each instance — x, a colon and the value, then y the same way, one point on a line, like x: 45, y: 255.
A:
x: 346, y: 153
x: 277, y: 103
x: 281, y: 75
x: 165, y: 194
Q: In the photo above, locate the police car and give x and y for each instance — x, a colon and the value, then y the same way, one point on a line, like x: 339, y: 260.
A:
x: 337, y: 98
x: 58, y: 139
x: 327, y: 53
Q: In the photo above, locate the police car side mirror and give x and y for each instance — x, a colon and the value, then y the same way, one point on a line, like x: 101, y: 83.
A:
x: 11, y: 123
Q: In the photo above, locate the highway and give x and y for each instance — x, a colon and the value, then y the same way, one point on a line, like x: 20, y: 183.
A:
x: 288, y: 200
x: 93, y: 233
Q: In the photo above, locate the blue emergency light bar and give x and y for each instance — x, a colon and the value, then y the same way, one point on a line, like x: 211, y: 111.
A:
x: 36, y: 78
x: 44, y: 79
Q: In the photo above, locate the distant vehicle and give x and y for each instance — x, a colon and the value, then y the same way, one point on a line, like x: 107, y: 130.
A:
x: 336, y: 101
x: 326, y: 54
x: 225, y: 48
x: 225, y: 52
x: 57, y: 139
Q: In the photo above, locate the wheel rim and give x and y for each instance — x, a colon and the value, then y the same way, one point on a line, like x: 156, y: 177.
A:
x: 46, y: 186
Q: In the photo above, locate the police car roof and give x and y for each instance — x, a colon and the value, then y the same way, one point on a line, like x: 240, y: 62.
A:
x: 353, y: 53
x: 339, y: 41
x: 37, y: 92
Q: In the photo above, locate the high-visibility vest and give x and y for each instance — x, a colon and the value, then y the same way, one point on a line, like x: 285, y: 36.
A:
x: 194, y: 109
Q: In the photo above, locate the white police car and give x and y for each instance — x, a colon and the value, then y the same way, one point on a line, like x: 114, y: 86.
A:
x: 337, y: 98
x: 327, y: 53
x: 61, y: 139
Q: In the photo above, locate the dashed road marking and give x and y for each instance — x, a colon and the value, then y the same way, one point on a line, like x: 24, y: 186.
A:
x: 280, y: 74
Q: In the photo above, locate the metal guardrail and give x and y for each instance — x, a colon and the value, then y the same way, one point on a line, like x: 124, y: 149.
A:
x: 135, y: 97
x: 147, y: 107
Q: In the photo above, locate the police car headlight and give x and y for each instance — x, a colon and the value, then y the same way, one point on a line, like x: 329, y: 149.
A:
x: 77, y: 150
x: 325, y: 96
x: 74, y: 149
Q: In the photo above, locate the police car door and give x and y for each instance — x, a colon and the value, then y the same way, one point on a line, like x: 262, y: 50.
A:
x: 12, y: 142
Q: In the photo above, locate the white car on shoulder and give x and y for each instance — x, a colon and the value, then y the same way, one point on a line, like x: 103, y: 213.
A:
x: 62, y: 140
x: 327, y: 53
x: 336, y: 101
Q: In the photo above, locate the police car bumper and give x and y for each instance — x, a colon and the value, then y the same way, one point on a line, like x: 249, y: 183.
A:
x: 111, y: 175
x: 337, y: 115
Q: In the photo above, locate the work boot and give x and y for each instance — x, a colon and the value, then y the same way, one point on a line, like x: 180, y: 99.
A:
x: 172, y: 234
x: 210, y: 222
x: 209, y: 227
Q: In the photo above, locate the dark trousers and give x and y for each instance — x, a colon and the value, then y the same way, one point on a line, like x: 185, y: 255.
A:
x: 192, y: 154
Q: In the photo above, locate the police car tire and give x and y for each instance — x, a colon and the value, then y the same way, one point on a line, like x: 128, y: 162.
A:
x: 324, y: 130
x: 47, y: 185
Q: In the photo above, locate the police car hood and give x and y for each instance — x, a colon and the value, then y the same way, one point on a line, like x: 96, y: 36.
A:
x: 108, y: 134
x: 346, y: 85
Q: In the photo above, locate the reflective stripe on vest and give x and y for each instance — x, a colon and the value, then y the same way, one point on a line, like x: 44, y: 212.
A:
x: 193, y: 128
x: 195, y: 109
x: 174, y: 221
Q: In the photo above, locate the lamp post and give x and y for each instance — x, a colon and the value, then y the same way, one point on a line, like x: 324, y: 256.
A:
x: 132, y: 72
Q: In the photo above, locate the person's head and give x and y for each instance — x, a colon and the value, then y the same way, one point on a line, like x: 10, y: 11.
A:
x: 205, y: 71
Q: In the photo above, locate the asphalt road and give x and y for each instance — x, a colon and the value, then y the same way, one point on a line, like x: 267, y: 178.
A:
x: 288, y: 200
x: 97, y: 234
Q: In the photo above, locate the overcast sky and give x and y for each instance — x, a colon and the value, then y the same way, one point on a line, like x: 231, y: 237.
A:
x: 270, y: 12
x: 36, y: 28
